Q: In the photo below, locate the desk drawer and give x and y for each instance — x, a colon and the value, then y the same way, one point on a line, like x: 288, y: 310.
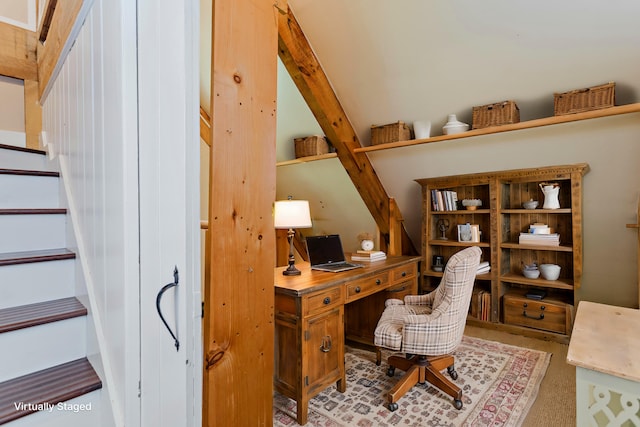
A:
x: 546, y: 314
x: 362, y: 287
x: 323, y: 300
x: 405, y: 272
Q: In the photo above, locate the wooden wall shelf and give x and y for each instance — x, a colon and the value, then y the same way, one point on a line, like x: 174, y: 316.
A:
x: 307, y: 159
x: 547, y: 121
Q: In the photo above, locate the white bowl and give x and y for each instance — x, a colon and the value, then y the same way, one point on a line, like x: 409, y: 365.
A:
x: 550, y: 271
x: 531, y: 204
x: 531, y: 273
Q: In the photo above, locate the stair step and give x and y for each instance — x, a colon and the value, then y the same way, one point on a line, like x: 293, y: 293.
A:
x: 24, y: 349
x: 38, y: 282
x: 25, y: 188
x: 51, y: 386
x: 32, y: 230
x: 39, y: 313
x: 25, y: 257
x: 22, y: 149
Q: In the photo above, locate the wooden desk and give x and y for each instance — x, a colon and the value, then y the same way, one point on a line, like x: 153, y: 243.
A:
x: 311, y: 322
x: 604, y: 348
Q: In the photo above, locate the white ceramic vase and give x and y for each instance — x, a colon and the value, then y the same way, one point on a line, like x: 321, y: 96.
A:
x: 422, y: 129
x: 454, y: 126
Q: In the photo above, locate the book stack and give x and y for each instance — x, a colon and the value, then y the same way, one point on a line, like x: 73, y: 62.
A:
x: 368, y: 256
x: 480, y: 306
x: 483, y: 267
x: 539, y: 234
x: 444, y: 200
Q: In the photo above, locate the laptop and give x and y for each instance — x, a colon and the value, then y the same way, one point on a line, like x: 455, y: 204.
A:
x: 326, y: 254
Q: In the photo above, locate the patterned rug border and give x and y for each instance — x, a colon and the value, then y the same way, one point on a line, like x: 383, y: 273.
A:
x: 513, y: 366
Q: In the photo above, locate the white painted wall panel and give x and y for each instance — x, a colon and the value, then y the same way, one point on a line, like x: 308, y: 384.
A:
x: 90, y: 121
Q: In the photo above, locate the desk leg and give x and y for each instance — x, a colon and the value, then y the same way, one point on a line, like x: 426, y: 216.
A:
x: 341, y: 385
x: 302, y: 411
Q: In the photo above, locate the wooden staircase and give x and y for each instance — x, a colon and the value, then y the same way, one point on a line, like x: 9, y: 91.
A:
x: 43, y: 326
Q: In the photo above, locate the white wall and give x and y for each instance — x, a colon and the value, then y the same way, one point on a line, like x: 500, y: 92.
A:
x: 334, y: 192
x: 89, y: 118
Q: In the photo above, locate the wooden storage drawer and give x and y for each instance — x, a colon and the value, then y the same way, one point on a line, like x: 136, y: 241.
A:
x: 546, y: 314
x: 400, y: 274
x: 366, y: 286
x: 323, y: 300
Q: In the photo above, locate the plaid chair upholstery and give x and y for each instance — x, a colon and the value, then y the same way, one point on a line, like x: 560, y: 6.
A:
x: 432, y: 324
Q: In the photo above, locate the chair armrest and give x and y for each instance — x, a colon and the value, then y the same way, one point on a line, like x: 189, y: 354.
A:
x: 393, y: 301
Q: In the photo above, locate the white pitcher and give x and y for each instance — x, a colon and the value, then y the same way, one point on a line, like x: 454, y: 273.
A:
x: 550, y: 191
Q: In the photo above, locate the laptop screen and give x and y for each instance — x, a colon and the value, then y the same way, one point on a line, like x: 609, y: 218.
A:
x: 324, y: 249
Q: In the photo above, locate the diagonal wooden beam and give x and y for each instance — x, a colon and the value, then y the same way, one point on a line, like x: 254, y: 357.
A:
x: 305, y: 70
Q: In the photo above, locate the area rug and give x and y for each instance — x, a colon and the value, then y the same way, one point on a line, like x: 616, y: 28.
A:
x: 500, y: 382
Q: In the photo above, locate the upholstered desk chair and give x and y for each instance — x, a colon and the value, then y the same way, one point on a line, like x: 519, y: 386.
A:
x: 427, y: 328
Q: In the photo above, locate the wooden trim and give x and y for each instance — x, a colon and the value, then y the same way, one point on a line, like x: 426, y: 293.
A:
x: 307, y: 73
x: 32, y: 114
x: 28, y: 172
x: 56, y: 211
x: 18, y: 52
x: 49, y: 54
x: 205, y: 127
x: 45, y: 23
x: 307, y: 159
x: 547, y: 121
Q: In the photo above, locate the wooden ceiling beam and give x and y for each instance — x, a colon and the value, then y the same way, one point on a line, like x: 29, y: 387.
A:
x: 309, y: 77
x: 18, y: 52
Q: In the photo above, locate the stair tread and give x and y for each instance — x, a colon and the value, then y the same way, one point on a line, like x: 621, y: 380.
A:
x: 28, y: 172
x: 35, y: 211
x: 52, y: 386
x: 23, y: 257
x: 26, y: 150
x: 40, y: 313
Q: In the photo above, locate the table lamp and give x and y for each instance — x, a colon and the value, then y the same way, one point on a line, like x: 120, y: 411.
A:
x: 290, y: 214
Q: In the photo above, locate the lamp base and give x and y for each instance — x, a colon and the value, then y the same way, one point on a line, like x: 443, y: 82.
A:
x: 291, y: 271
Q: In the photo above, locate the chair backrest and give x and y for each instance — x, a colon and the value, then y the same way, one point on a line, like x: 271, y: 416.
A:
x: 457, y: 286
x: 442, y: 333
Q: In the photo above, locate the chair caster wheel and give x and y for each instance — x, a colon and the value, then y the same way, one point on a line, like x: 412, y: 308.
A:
x: 391, y: 372
x: 393, y: 407
x: 457, y: 403
x: 452, y: 373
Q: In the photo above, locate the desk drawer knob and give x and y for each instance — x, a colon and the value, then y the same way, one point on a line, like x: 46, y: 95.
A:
x: 404, y: 273
x: 378, y: 281
x: 358, y: 289
x: 327, y: 301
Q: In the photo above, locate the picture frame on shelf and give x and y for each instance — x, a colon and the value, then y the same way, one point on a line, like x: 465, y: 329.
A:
x: 464, y: 232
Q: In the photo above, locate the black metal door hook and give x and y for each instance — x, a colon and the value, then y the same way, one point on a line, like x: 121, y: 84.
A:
x: 159, y: 298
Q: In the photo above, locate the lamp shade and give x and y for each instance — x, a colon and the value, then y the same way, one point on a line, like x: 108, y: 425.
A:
x: 292, y: 214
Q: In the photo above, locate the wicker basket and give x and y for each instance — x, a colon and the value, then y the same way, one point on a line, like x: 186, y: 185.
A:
x: 313, y: 145
x: 392, y: 132
x: 499, y: 113
x: 579, y: 100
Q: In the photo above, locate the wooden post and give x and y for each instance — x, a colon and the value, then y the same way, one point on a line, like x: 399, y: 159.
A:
x: 239, y: 290
x: 32, y: 114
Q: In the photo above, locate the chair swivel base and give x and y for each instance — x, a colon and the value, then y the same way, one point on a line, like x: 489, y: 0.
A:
x: 419, y: 369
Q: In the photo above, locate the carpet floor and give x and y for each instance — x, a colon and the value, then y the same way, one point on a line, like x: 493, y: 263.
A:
x: 500, y: 382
